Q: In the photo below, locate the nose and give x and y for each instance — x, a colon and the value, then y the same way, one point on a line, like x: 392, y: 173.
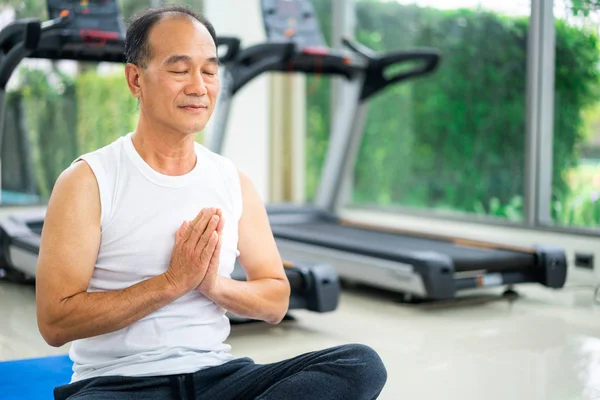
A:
x: 196, y: 86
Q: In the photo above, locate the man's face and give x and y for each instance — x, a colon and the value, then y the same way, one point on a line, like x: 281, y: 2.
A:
x: 178, y: 89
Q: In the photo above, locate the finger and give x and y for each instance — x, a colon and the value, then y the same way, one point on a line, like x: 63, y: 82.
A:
x: 211, y: 227
x: 221, y: 225
x: 191, y: 224
x: 211, y: 212
x: 202, y: 217
x: 205, y: 219
x: 205, y: 238
x: 209, y: 249
x: 219, y: 212
x: 200, y: 226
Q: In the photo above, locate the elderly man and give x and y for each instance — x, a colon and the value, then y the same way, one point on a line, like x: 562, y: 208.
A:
x: 140, y: 239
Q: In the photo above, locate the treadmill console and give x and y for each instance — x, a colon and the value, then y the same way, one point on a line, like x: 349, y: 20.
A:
x: 94, y: 21
x: 292, y: 20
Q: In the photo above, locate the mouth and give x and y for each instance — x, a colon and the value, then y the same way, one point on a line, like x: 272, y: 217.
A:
x: 194, y: 107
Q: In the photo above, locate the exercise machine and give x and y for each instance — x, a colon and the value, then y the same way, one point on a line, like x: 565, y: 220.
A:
x: 94, y: 32
x: 418, y: 265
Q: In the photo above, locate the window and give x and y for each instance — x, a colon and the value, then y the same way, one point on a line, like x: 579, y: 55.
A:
x: 576, y: 158
x: 452, y: 141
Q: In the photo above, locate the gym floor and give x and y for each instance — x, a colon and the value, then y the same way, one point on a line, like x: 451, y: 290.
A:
x: 545, y: 345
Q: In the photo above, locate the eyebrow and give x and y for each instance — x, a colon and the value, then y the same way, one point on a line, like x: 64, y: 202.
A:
x: 178, y: 57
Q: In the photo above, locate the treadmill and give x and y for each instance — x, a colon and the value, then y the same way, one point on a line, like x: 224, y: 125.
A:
x: 420, y: 266
x: 95, y: 33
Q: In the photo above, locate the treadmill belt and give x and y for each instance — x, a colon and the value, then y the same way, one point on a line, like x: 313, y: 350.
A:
x: 396, y: 247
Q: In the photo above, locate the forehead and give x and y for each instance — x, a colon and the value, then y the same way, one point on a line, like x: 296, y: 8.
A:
x: 180, y: 34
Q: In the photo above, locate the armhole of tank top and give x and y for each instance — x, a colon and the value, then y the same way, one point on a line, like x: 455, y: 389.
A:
x: 102, y: 182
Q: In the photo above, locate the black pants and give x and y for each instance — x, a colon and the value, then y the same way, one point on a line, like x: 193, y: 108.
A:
x: 342, y: 372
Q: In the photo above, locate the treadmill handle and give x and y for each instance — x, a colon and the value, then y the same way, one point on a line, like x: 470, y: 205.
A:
x: 29, y: 28
x: 29, y: 32
x: 255, y: 54
x: 233, y: 47
x: 257, y: 59
x: 376, y: 80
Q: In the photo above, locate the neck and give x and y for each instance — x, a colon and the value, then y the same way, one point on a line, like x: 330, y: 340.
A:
x: 169, y: 153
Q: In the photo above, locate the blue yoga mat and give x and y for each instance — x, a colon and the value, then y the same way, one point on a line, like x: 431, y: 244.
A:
x: 34, y: 378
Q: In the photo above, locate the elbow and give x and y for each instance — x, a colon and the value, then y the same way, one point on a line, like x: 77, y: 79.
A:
x: 281, y: 307
x: 56, y: 343
x: 275, y: 318
x: 52, y: 335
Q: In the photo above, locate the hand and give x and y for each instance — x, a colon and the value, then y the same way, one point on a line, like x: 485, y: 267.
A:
x: 195, y: 243
x: 211, y: 280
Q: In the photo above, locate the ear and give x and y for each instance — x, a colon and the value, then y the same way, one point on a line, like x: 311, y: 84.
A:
x: 133, y: 76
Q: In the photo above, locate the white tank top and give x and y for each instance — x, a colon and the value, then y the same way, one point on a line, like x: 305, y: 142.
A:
x: 141, y: 211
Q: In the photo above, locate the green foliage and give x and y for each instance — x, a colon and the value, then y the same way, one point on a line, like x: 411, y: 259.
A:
x: 580, y: 206
x: 28, y: 8
x: 577, y: 74
x: 106, y: 110
x: 584, y: 7
x: 455, y: 140
x: 50, y: 112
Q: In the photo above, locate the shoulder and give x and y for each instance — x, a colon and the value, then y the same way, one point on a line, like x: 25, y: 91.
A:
x: 77, y: 182
x: 78, y: 174
x: 75, y: 199
x: 95, y: 166
x: 80, y: 182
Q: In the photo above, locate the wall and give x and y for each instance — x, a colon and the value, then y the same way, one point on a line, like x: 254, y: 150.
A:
x: 247, y: 136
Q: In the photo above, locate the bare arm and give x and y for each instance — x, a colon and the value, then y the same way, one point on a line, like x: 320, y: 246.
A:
x: 265, y: 295
x: 69, y: 247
